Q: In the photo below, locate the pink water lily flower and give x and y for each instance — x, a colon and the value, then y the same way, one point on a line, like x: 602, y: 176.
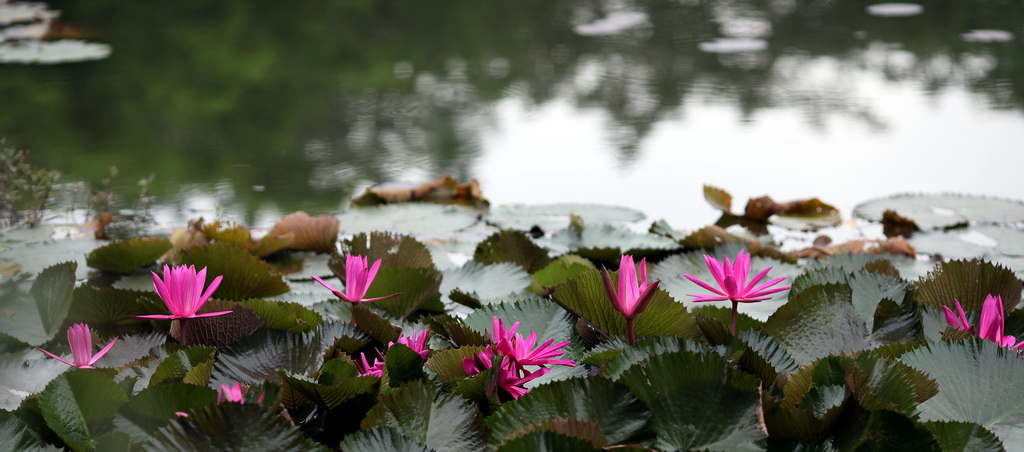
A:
x: 80, y: 339
x: 958, y: 320
x: 182, y: 292
x: 417, y: 342
x: 232, y: 393
x: 632, y: 296
x: 516, y: 353
x: 358, y: 277
x: 731, y: 278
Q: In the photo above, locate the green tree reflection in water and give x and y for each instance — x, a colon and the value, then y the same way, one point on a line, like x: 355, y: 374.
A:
x: 313, y: 100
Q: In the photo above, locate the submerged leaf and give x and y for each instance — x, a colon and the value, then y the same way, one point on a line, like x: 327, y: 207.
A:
x: 34, y: 312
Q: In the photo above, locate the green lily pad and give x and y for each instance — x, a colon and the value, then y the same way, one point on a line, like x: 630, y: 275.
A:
x: 393, y: 250
x: 617, y: 412
x: 34, y: 312
x: 545, y: 317
x: 564, y: 268
x: 15, y: 434
x: 155, y: 407
x: 813, y: 215
x: 963, y: 437
x: 416, y: 286
x: 511, y: 246
x: 486, y: 283
x: 245, y: 276
x: 79, y: 405
x: 34, y: 258
x: 230, y: 426
x: 942, y: 211
x: 978, y: 241
x: 605, y: 243
x: 440, y: 421
x: 818, y: 322
x: 585, y: 297
x: 552, y: 217
x: 979, y: 382
x: 333, y: 394
x: 698, y: 402
x: 414, y: 219
x: 969, y: 282
x: 382, y: 438
x: 110, y: 311
x: 291, y: 317
x: 126, y: 256
x: 259, y: 356
x: 25, y: 373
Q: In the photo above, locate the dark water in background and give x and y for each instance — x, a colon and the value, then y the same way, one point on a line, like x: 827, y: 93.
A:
x: 253, y: 111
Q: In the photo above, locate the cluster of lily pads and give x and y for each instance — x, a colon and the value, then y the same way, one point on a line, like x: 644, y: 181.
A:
x: 312, y: 339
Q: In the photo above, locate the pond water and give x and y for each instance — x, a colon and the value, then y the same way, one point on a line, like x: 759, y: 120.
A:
x: 251, y: 112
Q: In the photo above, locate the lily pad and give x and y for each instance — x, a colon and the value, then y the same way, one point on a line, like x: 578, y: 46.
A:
x: 978, y: 241
x: 486, y: 283
x: 25, y: 373
x: 418, y: 220
x: 943, y: 211
x: 34, y: 312
x: 979, y: 382
x: 34, y: 257
x: 512, y: 246
x: 245, y: 276
x: 126, y: 256
x: 550, y: 217
x: 78, y: 406
x: 440, y: 421
x: 230, y: 426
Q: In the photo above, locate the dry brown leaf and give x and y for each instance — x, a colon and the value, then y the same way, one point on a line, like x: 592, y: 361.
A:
x: 444, y: 190
x: 897, y: 245
x: 761, y: 208
x: 317, y: 234
x: 894, y: 225
x: 185, y: 238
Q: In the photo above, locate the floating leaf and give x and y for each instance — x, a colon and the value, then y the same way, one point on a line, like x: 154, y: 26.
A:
x: 486, y: 283
x: 456, y: 331
x: 177, y: 365
x: 618, y: 413
x: 942, y: 211
x: 393, y: 250
x: 25, y: 373
x: 585, y: 297
x: 278, y: 315
x: 978, y: 241
x: 401, y: 365
x: 155, y: 407
x: 110, y: 311
x: 35, y: 313
x: 35, y: 257
x: 230, y: 426
x: 377, y: 327
x: 244, y: 275
x: 969, y: 282
x: 511, y: 246
x: 963, y: 437
x: 78, y: 406
x: 442, y: 422
x: 545, y: 317
x: 218, y: 331
x: 16, y: 435
x: 818, y: 322
x: 258, y: 357
x: 131, y: 348
x: 556, y: 216
x: 126, y: 256
x: 764, y: 357
x: 980, y: 383
x: 382, y: 438
x: 311, y: 233
x: 447, y: 364
x: 564, y: 268
x: 334, y: 394
x: 605, y: 243
x: 806, y: 215
x: 412, y: 219
x: 416, y: 286
x: 557, y: 434
x: 698, y: 402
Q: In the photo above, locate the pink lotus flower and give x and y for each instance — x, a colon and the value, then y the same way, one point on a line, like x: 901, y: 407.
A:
x: 516, y: 354
x: 958, y: 320
x: 358, y: 277
x: 182, y: 292
x: 80, y: 339
x: 417, y: 342
x: 733, y: 285
x: 991, y: 324
x: 631, y: 298
x: 232, y: 393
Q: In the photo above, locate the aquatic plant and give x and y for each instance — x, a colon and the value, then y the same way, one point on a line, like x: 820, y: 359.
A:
x: 80, y: 340
x: 733, y: 285
x: 358, y: 277
x: 632, y: 297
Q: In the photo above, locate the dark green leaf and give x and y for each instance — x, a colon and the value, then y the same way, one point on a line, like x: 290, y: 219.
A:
x: 698, y: 402
x: 980, y: 383
x: 514, y: 247
x: 126, y: 256
x: 487, y: 283
x: 230, y: 426
x: 375, y: 326
x: 245, y: 276
x: 818, y: 322
x: 381, y: 439
x: 963, y: 437
x: 177, y: 365
x: 442, y: 422
x: 16, y: 436
x: 447, y: 364
x: 279, y: 315
x: 155, y: 407
x: 79, y: 406
x: 35, y: 315
x: 393, y: 250
x: 585, y: 296
x: 969, y: 282
x: 416, y: 285
x: 259, y: 356
x: 564, y: 268
x: 330, y: 395
x: 556, y: 435
x: 401, y: 365
x: 109, y: 311
x: 618, y: 413
x: 545, y: 317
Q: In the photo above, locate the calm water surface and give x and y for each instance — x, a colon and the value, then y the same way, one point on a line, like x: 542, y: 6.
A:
x: 253, y: 111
